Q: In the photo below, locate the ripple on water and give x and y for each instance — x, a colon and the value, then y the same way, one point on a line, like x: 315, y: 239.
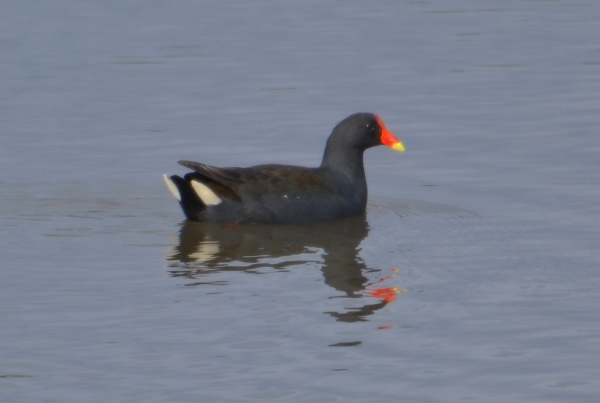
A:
x: 407, y: 208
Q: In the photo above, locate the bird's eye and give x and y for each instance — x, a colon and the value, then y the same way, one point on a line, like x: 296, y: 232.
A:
x: 370, y: 126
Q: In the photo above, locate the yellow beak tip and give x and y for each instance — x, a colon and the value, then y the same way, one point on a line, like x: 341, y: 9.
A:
x: 398, y: 147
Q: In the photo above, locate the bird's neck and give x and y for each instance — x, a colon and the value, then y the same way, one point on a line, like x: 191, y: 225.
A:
x: 345, y: 161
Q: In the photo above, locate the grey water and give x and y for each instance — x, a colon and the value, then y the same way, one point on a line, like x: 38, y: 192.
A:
x: 474, y: 275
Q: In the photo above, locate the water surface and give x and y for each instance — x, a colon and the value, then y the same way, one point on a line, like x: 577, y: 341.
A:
x: 472, y: 277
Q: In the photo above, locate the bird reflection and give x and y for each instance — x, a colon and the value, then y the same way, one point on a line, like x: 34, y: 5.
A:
x: 206, y: 248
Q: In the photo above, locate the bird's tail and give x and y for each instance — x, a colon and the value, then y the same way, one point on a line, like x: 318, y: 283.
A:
x: 188, y: 199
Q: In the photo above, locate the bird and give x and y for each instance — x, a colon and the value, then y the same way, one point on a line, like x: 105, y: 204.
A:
x: 287, y: 194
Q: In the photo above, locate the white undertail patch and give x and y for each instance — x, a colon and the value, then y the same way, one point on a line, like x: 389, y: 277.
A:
x: 172, y: 188
x: 207, y: 196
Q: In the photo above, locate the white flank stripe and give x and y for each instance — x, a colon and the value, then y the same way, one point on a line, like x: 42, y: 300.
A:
x: 207, y: 196
x: 172, y: 188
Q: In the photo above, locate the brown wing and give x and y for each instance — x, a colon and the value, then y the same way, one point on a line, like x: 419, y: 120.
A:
x: 264, y: 179
x: 225, y: 176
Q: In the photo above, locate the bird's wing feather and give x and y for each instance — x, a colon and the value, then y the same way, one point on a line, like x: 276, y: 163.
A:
x: 226, y: 176
x: 263, y: 179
